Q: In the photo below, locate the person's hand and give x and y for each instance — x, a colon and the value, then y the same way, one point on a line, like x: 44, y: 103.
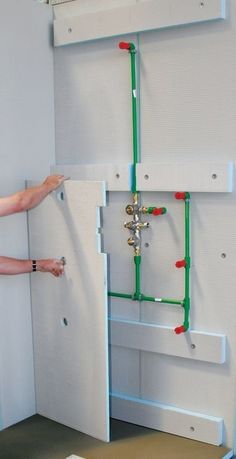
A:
x: 52, y: 182
x: 51, y: 265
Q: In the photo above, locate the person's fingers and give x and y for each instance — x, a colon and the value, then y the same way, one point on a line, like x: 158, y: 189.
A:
x: 59, y: 178
x: 54, y: 181
x: 54, y: 266
x: 59, y: 268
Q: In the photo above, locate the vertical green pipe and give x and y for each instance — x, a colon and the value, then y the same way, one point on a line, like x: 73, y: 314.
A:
x: 188, y: 262
x: 134, y: 116
x: 137, y: 261
x: 137, y: 258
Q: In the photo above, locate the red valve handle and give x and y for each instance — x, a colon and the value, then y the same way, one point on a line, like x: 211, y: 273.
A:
x: 159, y: 211
x: 180, y: 195
x: 180, y: 329
x: 181, y: 264
x: 124, y: 45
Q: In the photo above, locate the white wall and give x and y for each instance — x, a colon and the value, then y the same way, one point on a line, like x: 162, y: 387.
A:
x: 188, y: 112
x: 26, y: 152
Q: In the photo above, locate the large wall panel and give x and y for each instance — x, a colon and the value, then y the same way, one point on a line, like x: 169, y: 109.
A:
x: 70, y: 313
x: 187, y: 100
x: 27, y: 150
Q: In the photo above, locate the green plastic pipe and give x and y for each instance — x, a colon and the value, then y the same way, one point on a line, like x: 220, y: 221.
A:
x: 137, y: 261
x: 188, y: 262
x: 162, y: 300
x: 138, y: 296
x: 146, y: 298
x: 120, y: 295
x: 136, y: 158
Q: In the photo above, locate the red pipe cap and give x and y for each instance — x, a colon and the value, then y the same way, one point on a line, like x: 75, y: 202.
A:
x: 181, y: 264
x: 180, y: 195
x: 180, y: 329
x: 124, y: 45
x: 158, y: 211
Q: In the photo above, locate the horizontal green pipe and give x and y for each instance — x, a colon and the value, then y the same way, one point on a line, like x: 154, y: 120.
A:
x: 146, y: 298
x: 162, y: 300
x: 120, y: 295
x: 169, y: 301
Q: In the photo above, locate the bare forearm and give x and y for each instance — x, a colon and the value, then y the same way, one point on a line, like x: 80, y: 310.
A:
x: 10, y: 266
x: 33, y: 196
x: 27, y: 199
x: 30, y: 198
x: 14, y: 266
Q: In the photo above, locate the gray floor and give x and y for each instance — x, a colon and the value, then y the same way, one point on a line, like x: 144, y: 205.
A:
x: 40, y: 438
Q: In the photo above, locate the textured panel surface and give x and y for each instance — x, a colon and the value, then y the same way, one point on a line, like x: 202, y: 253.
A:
x: 196, y: 176
x: 77, y: 7
x: 27, y: 150
x: 143, y: 16
x: 70, y: 313
x: 188, y: 424
x: 116, y: 176
x: 153, y: 338
x: 187, y: 98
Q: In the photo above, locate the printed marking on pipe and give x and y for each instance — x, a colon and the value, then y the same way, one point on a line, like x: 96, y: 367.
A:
x: 134, y: 93
x: 158, y: 300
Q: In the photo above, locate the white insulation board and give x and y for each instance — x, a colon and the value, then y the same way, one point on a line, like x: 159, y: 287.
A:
x: 167, y: 418
x: 194, y: 177
x: 187, y: 100
x: 208, y: 177
x: 27, y: 102
x: 142, y: 16
x: 195, y: 345
x: 116, y: 176
x: 71, y: 359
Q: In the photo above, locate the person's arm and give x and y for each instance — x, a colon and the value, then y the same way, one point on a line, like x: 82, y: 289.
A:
x: 10, y: 266
x: 27, y: 199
